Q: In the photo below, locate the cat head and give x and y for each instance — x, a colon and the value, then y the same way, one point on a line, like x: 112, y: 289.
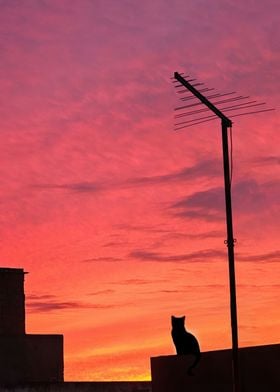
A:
x: 178, y: 321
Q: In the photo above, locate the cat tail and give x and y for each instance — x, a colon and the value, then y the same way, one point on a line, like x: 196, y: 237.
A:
x: 197, y: 359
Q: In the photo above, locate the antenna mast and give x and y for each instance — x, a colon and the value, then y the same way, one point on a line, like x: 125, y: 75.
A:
x: 226, y: 123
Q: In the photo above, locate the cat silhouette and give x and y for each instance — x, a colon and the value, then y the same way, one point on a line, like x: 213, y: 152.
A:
x: 185, y: 342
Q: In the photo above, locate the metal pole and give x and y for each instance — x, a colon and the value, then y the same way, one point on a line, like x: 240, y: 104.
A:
x: 230, y: 246
x: 226, y: 123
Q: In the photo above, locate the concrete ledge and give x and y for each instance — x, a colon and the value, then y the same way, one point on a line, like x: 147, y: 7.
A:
x: 259, y: 368
x: 118, y: 386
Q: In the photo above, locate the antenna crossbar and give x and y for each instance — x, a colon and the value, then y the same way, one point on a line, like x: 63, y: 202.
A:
x: 202, y: 98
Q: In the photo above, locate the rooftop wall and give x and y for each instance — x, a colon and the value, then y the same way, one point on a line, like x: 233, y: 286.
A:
x: 31, y: 358
x: 259, y: 368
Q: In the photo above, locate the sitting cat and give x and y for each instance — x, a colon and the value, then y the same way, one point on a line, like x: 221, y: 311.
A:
x: 184, y: 341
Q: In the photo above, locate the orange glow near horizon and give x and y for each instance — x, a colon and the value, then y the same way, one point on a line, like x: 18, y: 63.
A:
x: 119, y: 220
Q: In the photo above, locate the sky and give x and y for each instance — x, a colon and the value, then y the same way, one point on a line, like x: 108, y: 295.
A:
x: 119, y: 219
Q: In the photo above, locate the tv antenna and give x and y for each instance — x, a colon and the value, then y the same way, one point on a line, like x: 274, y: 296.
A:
x: 200, y: 111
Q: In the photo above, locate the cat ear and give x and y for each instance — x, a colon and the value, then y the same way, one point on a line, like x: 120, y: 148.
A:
x: 184, y: 318
x: 172, y: 317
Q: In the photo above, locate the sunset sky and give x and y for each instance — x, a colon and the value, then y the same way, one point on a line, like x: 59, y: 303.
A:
x: 118, y: 219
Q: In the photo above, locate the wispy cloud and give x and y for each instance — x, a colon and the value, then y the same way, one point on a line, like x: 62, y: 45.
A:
x: 205, y: 205
x: 79, y: 187
x: 50, y: 303
x: 106, y: 259
x: 40, y: 297
x: 270, y: 257
x: 140, y: 282
x: 165, y: 232
x: 200, y: 214
x: 248, y: 197
x: 198, y: 256
x: 53, y: 305
x: 70, y: 305
x: 205, y: 168
x: 207, y: 234
x: 153, y: 228
x: 200, y: 236
x: 269, y: 160
x: 102, y: 292
x: 192, y: 288
x: 113, y: 244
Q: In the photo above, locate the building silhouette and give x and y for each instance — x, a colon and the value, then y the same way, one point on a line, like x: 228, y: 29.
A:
x: 24, y: 357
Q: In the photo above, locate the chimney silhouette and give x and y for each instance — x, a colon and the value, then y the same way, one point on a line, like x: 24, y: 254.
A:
x: 12, y: 301
x: 24, y: 358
